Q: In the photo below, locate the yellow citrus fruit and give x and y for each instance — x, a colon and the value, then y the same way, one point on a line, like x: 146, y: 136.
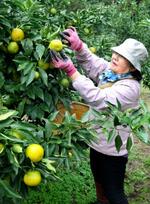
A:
x: 93, y: 49
x: 17, y: 34
x: 13, y: 47
x: 32, y: 178
x: 53, y: 11
x: 1, y: 147
x: 37, y: 75
x: 43, y: 65
x: 35, y: 152
x: 56, y: 45
x: 65, y: 82
x: 17, y: 148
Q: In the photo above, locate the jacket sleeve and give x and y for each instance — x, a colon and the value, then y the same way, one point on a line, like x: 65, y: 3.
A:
x: 126, y: 91
x: 91, y: 63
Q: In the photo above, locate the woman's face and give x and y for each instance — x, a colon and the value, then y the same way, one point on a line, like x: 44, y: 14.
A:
x: 119, y: 64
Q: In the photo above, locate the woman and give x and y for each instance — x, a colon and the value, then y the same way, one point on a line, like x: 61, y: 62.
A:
x: 106, y: 81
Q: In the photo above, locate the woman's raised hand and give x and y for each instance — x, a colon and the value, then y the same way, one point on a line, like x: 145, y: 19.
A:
x: 71, y: 36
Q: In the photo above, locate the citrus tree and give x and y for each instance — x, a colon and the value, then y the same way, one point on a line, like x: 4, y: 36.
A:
x: 31, y: 153
x: 21, y: 151
x: 30, y: 85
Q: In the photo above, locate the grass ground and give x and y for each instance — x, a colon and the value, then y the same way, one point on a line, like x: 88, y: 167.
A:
x: 138, y: 177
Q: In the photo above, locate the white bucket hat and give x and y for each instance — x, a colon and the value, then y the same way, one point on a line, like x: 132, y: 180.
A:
x: 133, y: 50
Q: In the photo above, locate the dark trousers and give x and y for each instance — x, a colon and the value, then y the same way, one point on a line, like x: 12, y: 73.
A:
x: 109, y: 172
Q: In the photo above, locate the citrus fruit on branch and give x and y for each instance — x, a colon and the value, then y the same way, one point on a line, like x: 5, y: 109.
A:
x: 37, y: 75
x: 56, y: 45
x: 32, y: 178
x: 35, y: 152
x: 17, y: 148
x: 13, y: 47
x: 1, y: 147
x: 65, y: 82
x: 93, y: 49
x: 43, y: 65
x: 17, y: 34
x: 53, y: 11
x: 16, y: 133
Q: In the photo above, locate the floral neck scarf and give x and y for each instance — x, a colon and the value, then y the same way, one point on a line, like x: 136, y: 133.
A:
x: 110, y: 76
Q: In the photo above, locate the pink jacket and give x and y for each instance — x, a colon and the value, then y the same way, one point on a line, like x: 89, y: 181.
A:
x: 127, y: 91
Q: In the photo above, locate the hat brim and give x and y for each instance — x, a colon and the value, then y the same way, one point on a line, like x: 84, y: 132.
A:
x: 126, y: 55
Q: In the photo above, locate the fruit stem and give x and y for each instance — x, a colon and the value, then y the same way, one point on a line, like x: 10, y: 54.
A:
x: 55, y: 33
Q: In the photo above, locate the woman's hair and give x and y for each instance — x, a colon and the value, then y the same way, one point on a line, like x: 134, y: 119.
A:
x: 137, y: 75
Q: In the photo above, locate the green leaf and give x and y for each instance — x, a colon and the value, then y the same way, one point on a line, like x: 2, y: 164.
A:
x: 39, y: 92
x: 40, y: 51
x: 31, y: 77
x: 49, y: 127
x: 111, y: 135
x: 44, y: 76
x: 24, y: 126
x: 13, y: 160
x: 26, y: 66
x: 51, y: 36
x: 36, y: 112
x: 118, y: 142
x: 28, y: 4
x: 116, y: 121
x: 143, y: 135
x: 27, y: 45
x: 76, y: 153
x: 4, y: 22
x: 21, y: 106
x: 7, y: 115
x: 98, y: 114
x: 31, y: 92
x: 86, y: 116
x: 126, y: 120
x: 48, y: 164
x: 53, y: 115
x: 9, y: 189
x: 67, y: 117
x: 118, y: 105
x: 51, y: 149
x: 24, y: 79
x: 129, y: 144
x: 48, y: 99
x: 6, y: 123
x: 5, y: 137
x: 2, y: 79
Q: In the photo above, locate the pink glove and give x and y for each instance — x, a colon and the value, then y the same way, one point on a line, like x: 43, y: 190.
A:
x: 63, y: 62
x: 73, y: 39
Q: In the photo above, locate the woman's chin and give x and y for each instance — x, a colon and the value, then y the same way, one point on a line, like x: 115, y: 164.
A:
x: 113, y: 68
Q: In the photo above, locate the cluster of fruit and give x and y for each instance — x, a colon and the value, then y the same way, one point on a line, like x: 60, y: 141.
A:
x: 35, y: 153
x: 17, y: 35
